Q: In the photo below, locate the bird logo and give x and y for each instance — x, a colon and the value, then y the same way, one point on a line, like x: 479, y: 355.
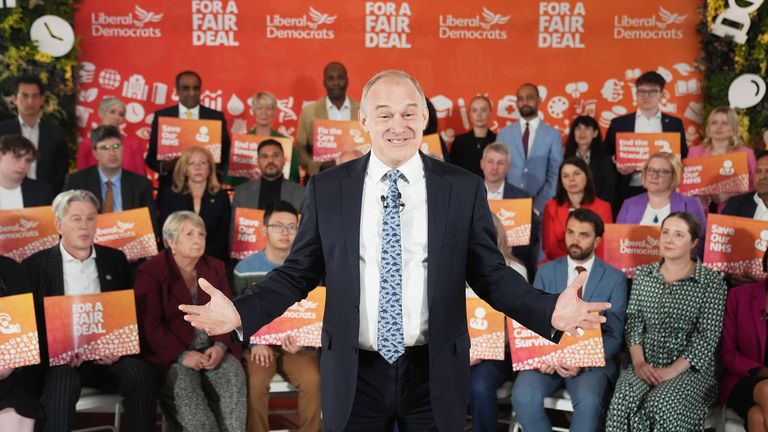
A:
x: 668, y: 18
x: 145, y: 17
x: 651, y: 242
x: 27, y: 224
x: 319, y: 18
x: 123, y: 226
x: 304, y: 305
x: 492, y: 18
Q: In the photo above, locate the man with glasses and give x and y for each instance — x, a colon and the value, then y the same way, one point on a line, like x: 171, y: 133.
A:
x: 115, y: 188
x: 649, y: 88
x: 298, y: 365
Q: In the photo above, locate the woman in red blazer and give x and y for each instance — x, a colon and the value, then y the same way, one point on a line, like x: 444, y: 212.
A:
x: 575, y: 188
x: 744, y: 384
x: 192, y: 363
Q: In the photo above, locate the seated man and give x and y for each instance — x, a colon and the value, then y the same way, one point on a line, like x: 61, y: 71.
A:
x: 77, y: 266
x: 589, y: 387
x: 17, y: 190
x: 297, y: 365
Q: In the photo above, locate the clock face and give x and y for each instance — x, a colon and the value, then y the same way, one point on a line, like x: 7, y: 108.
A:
x: 53, y: 35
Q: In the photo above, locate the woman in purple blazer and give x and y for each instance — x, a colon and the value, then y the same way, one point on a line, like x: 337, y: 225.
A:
x: 744, y: 383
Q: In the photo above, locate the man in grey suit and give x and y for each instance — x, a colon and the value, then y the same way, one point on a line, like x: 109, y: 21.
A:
x: 258, y: 194
x: 588, y: 387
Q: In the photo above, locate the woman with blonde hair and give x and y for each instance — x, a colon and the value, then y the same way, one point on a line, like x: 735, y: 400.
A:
x: 264, y: 111
x: 196, y: 188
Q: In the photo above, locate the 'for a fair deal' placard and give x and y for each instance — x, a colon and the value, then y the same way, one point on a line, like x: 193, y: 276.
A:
x: 633, y: 149
x: 18, y: 332
x: 244, y: 154
x: 174, y: 135
x: 735, y: 245
x: 129, y: 230
x: 531, y: 351
x: 486, y: 330
x: 719, y: 174
x: 331, y: 137
x: 303, y: 321
x: 92, y: 325
x: 248, y: 232
x: 515, y: 217
x: 627, y: 247
x: 26, y: 231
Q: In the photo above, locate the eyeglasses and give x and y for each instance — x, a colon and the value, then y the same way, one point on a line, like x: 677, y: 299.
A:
x: 108, y: 147
x: 282, y: 229
x: 653, y: 92
x: 657, y: 172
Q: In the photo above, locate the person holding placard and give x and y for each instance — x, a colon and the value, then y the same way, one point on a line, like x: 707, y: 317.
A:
x: 78, y: 266
x: 674, y: 318
x: 585, y: 142
x: 112, y: 113
x: 575, y: 189
x: 298, y: 365
x: 722, y: 137
x: 589, y: 388
x: 195, y: 188
x: 203, y: 383
x: 17, y: 190
x: 467, y: 148
x: 753, y: 205
x: 19, y: 388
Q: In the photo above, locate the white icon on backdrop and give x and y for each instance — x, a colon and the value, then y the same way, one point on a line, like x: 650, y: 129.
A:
x: 613, y: 90
x: 109, y: 79
x: 507, y: 108
x: 586, y: 107
x: 235, y: 106
x: 692, y: 134
x: 463, y: 113
x: 694, y: 112
x: 607, y: 116
x: 239, y: 126
x: 211, y: 99
x: 664, y: 72
x: 683, y: 68
x: 285, y: 106
x: 492, y: 19
x: 82, y: 113
x: 134, y: 112
x: 668, y: 18
x: 143, y: 132
x: 557, y: 106
x: 7, y: 4
x: 159, y: 93
x: 145, y: 17
x: 88, y: 95
x: 85, y: 72
x: 319, y: 18
x: 135, y: 87
x: 687, y: 87
x: 632, y: 74
x: 202, y: 135
x: 576, y: 89
x: 443, y: 106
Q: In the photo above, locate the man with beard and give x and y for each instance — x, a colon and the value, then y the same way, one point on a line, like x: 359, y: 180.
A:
x: 259, y: 194
x: 336, y: 105
x: 588, y: 387
x: 536, y: 149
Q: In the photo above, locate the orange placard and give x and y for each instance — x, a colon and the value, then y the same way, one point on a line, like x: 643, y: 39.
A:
x: 736, y: 245
x: 247, y: 232
x: 26, y: 231
x: 430, y: 145
x: 18, y: 332
x: 129, y: 230
x: 531, y: 351
x: 720, y: 174
x: 174, y: 135
x: 303, y: 320
x: 628, y: 247
x: 92, y: 325
x: 244, y: 154
x: 486, y: 330
x: 633, y: 149
x: 331, y: 137
x: 515, y: 216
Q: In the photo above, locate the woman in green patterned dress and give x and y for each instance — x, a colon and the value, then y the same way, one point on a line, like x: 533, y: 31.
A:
x: 674, y: 318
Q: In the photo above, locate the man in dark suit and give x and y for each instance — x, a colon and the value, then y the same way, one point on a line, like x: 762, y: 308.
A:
x: 49, y: 140
x: 753, y: 204
x: 648, y: 118
x: 77, y: 266
x: 272, y: 186
x: 395, y: 346
x: 188, y: 88
x: 115, y: 188
x: 17, y: 154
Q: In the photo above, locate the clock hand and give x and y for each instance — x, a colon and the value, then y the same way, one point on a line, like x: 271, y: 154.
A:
x: 51, y: 33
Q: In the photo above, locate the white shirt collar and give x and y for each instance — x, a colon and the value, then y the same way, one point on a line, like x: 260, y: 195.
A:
x: 411, y: 170
x: 587, y: 265
x: 330, y: 106
x: 67, y: 257
x: 657, y: 116
x: 24, y: 125
x: 532, y: 123
x: 195, y: 111
x: 761, y: 207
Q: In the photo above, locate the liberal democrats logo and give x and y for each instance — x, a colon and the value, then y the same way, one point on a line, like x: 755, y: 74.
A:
x: 312, y: 25
x: 664, y: 25
x: 139, y: 23
x: 480, y: 26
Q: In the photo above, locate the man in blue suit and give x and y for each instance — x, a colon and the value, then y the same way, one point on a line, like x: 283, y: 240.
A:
x: 536, y: 149
x: 589, y: 387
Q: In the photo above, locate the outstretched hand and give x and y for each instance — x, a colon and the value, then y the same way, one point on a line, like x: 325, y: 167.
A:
x: 218, y: 316
x: 572, y: 314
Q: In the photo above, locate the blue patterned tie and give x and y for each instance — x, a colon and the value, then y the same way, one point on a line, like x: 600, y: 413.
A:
x: 391, y: 342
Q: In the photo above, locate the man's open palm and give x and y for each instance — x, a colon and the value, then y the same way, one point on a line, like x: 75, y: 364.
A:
x: 216, y: 317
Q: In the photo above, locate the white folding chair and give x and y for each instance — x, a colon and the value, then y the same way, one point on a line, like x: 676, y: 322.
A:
x: 559, y: 401
x: 92, y: 400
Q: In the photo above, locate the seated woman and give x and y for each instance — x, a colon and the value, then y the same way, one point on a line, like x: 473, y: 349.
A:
x: 19, y: 388
x: 674, y: 318
x: 203, y: 381
x: 575, y: 189
x: 195, y: 188
x: 585, y: 142
x: 744, y: 383
x: 467, y: 148
x: 722, y: 137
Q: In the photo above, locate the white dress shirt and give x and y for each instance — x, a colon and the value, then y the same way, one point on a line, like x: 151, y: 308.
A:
x: 195, y: 112
x: 533, y: 124
x: 761, y: 212
x: 33, y: 134
x: 572, y: 273
x: 497, y: 194
x: 645, y: 124
x: 343, y: 113
x: 80, y: 277
x: 11, y: 199
x: 413, y: 235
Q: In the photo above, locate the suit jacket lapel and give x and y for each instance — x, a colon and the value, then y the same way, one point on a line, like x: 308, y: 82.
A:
x: 593, y: 284
x: 55, y: 269
x: 94, y: 185
x: 352, y: 193
x: 124, y: 188
x: 561, y: 275
x: 321, y: 111
x: 438, y: 199
x: 106, y: 282
x: 517, y: 143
